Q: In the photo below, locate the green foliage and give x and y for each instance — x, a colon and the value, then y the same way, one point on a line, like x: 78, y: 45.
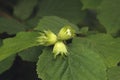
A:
x: 107, y: 47
x: 109, y: 15
x: 93, y: 54
x: 70, y: 10
x: 83, y: 64
x: 31, y: 54
x: 53, y: 23
x: 10, y: 26
x: 114, y: 73
x: 6, y: 64
x: 91, y: 4
x: 22, y: 41
x: 84, y: 30
x: 24, y: 8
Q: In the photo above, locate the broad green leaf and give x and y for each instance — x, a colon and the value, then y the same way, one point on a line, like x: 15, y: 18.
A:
x: 70, y: 10
x: 107, y: 47
x: 31, y: 54
x: 22, y: 41
x: 6, y: 64
x: 24, y: 8
x: 82, y: 63
x: 10, y: 26
x: 114, y: 73
x: 91, y: 4
x: 109, y: 15
x: 53, y: 23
